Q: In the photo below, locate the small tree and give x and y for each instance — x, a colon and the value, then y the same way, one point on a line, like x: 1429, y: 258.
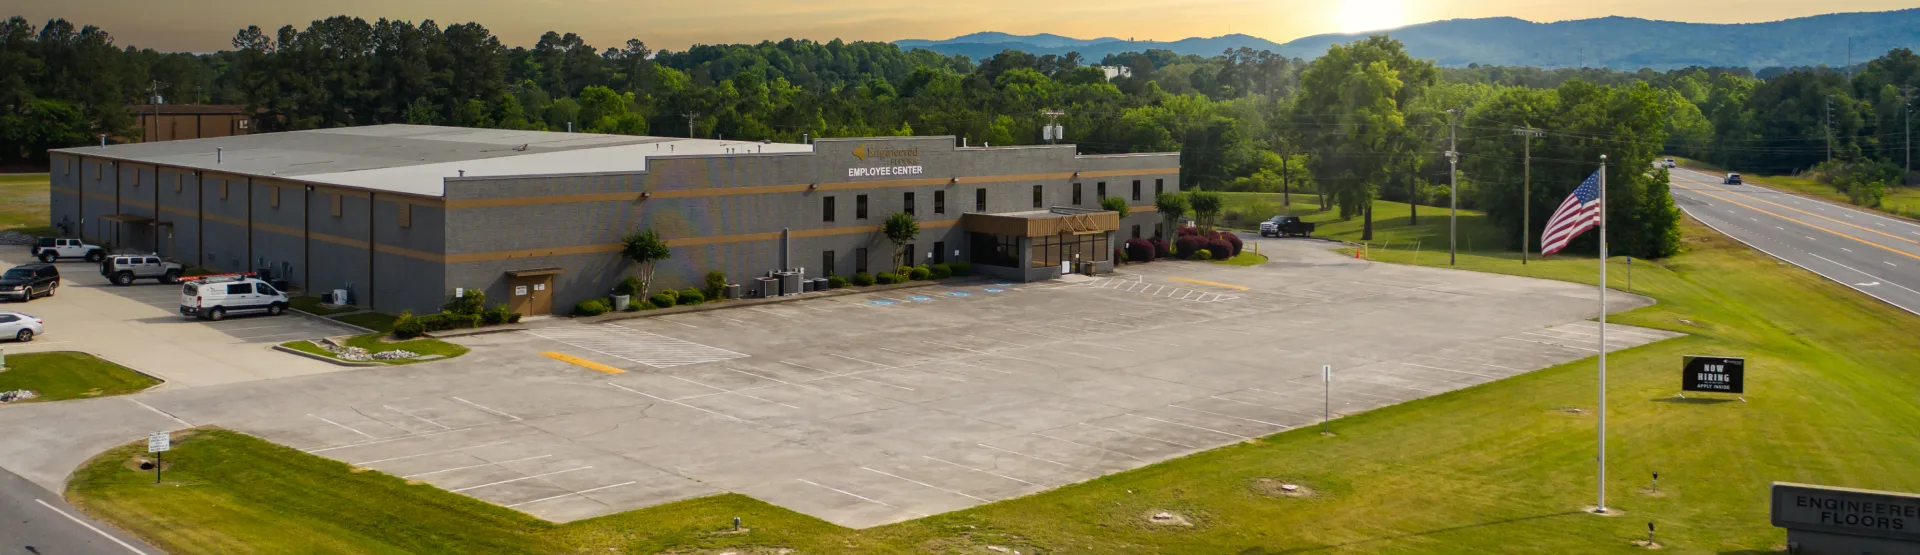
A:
x: 1171, y: 207
x: 1116, y: 204
x: 644, y: 247
x: 1206, y: 207
x: 900, y: 229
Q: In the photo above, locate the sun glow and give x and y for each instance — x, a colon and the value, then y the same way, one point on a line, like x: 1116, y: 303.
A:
x: 1355, y: 16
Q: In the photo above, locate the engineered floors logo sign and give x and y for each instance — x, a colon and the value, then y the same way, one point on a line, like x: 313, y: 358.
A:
x: 886, y: 161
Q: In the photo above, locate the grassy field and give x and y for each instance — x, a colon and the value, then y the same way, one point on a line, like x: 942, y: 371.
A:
x: 64, y: 375
x: 374, y: 343
x: 23, y: 203
x: 1903, y: 201
x: 1504, y: 467
x: 1245, y: 258
x: 376, y: 321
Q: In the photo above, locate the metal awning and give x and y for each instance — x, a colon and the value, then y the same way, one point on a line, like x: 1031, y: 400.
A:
x: 1036, y: 223
x: 531, y: 272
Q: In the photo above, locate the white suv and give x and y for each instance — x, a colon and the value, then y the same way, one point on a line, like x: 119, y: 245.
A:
x: 49, y: 249
x: 213, y: 297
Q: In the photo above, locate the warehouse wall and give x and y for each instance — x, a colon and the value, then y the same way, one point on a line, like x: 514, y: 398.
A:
x: 278, y: 244
x: 576, y: 222
x: 225, y: 244
x: 179, y: 192
x: 339, y: 243
x: 63, y: 176
x: 408, y: 265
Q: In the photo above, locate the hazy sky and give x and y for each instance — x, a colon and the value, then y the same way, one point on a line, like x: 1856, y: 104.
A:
x: 206, y: 25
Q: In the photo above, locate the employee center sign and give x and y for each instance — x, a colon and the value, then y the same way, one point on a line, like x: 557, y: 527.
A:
x: 886, y: 162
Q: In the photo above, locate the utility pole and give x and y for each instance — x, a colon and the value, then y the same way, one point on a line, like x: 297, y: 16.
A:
x: 690, y: 116
x: 1906, y: 95
x: 153, y: 96
x: 1453, y: 185
x: 1829, y: 128
x: 1527, y: 134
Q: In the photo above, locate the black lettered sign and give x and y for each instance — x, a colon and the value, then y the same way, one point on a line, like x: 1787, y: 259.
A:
x: 1713, y: 374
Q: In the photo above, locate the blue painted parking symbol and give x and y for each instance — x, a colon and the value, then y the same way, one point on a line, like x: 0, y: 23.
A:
x: 995, y: 290
x: 1003, y: 284
x: 958, y: 294
x: 919, y: 298
x: 881, y: 302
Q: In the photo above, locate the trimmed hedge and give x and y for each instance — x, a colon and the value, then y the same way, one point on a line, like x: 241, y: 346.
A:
x: 1140, y: 250
x: 691, y: 296
x: 1161, y: 248
x: 888, y: 278
x: 716, y: 284
x: 664, y: 299
x: 863, y: 279
x: 1220, y: 249
x: 920, y: 273
x: 1228, y: 239
x: 1202, y: 254
x: 940, y: 271
x: 589, y: 307
x: 961, y: 268
x: 1186, y: 230
x: 1187, y: 246
x: 836, y: 282
x: 628, y: 286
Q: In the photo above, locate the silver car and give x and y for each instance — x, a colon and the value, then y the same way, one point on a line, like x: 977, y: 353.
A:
x: 21, y: 327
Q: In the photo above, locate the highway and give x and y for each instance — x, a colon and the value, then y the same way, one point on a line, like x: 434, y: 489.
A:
x: 35, y: 521
x: 1871, y: 253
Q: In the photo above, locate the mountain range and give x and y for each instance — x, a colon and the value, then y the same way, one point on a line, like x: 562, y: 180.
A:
x: 1621, y: 43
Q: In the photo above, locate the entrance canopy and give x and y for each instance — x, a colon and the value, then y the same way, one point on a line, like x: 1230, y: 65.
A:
x: 533, y: 272
x: 1039, y: 223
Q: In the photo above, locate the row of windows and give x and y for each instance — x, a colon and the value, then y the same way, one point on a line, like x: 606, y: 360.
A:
x: 937, y: 256
x: 828, y: 209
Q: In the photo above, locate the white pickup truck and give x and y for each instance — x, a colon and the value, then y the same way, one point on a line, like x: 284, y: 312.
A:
x: 50, y: 249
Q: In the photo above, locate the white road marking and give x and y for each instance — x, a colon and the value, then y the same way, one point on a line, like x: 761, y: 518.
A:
x: 183, y: 423
x: 979, y: 470
x: 428, y: 453
x: 520, y: 479
x: 1449, y: 370
x: 89, y: 527
x: 839, y: 375
x: 589, y: 490
x: 662, y: 399
x: 478, y: 406
x: 344, y: 427
x: 1089, y: 446
x: 850, y: 494
x: 411, y: 415
x: 923, y: 484
x: 1064, y: 465
x: 457, y: 468
x: 1124, y: 433
x: 1190, y: 426
x: 1229, y: 416
x: 651, y: 349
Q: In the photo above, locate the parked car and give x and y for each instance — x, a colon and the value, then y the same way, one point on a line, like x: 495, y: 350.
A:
x: 1732, y: 179
x: 1286, y: 226
x: 26, y: 281
x: 213, y: 297
x: 20, y: 327
x: 50, y: 249
x: 123, y: 269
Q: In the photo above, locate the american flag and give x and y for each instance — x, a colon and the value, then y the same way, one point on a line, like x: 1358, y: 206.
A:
x: 1580, y: 212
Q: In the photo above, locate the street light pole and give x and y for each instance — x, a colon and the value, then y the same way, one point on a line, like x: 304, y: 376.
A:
x: 1527, y: 134
x: 1453, y: 186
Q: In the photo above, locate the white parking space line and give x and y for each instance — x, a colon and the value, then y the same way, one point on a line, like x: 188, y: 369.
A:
x: 666, y: 400
x: 1124, y: 433
x: 989, y: 473
x: 723, y: 390
x: 522, y: 478
x: 89, y: 527
x: 853, y: 495
x: 1268, y: 407
x: 1063, y: 465
x: 458, y: 468
x: 995, y: 340
x: 170, y: 416
x: 955, y: 347
x: 1450, y: 370
x: 1229, y: 416
x: 889, y: 367
x: 924, y: 484
x: 416, y: 417
x: 590, y: 490
x: 1089, y: 446
x: 344, y: 427
x: 1470, y: 362
x: 831, y: 374
x: 651, y: 349
x: 430, y: 453
x: 972, y: 365
x: 1189, y: 426
x: 479, y: 406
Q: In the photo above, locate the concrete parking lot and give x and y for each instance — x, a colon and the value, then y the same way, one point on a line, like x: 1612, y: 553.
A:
x: 139, y: 326
x: 878, y: 407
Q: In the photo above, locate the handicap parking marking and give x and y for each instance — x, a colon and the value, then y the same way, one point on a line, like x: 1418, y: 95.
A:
x: 881, y: 302
x: 995, y: 290
x: 958, y: 294
x: 919, y: 298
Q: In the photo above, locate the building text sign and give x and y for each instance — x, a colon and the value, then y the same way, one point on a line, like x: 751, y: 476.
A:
x: 886, y: 161
x: 1713, y: 374
x: 1847, y: 511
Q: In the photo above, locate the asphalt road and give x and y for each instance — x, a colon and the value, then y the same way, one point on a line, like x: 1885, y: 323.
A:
x: 35, y: 521
x: 1871, y: 253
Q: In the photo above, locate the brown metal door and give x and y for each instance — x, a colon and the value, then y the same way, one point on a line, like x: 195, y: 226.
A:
x: 542, y: 295
x: 530, y: 295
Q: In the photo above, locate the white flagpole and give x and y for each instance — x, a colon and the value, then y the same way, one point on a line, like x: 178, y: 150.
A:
x: 1602, y: 507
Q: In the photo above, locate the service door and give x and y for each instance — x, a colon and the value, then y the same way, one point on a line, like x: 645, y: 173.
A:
x: 532, y: 295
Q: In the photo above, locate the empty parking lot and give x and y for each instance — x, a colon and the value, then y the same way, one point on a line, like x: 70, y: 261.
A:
x: 878, y: 407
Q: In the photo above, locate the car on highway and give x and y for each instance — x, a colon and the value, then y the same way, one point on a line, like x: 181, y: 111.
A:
x: 20, y: 327
x: 1670, y: 164
x: 1732, y: 179
x: 26, y: 281
x: 1285, y: 226
x: 123, y: 269
x: 213, y: 297
x: 52, y: 249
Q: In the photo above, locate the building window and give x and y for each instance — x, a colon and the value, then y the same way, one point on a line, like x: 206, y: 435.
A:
x: 338, y: 199
x: 939, y: 202
x: 273, y: 197
x: 1136, y: 189
x: 979, y: 200
x: 906, y: 203
x: 995, y: 250
x: 1036, y: 196
x: 1159, y: 186
x: 826, y: 263
x: 1100, y: 191
x: 939, y: 252
x: 1136, y: 231
x: 1076, y: 194
x: 826, y: 209
x: 860, y: 260
x: 860, y: 207
x: 406, y: 216
x: 906, y: 255
x: 1050, y: 250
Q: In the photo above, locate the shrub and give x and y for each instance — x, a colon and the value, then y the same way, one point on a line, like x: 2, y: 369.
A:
x: 903, y: 270
x: 1140, y: 250
x: 663, y: 299
x: 836, y: 282
x: 513, y: 317
x: 1186, y: 245
x: 941, y: 271
x: 496, y: 315
x: 887, y: 278
x: 691, y: 296
x: 1228, y: 239
x: 1161, y: 248
x: 920, y: 273
x: 863, y: 279
x: 405, y: 327
x: 962, y: 268
x: 591, y: 307
x: 716, y: 284
x: 627, y: 286
x: 1220, y: 249
x: 1238, y: 245
x: 644, y: 305
x: 1186, y: 230
x: 1202, y: 254
x: 470, y: 301
x: 672, y: 293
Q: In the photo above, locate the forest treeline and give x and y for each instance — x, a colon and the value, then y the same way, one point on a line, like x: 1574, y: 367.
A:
x: 1365, y: 121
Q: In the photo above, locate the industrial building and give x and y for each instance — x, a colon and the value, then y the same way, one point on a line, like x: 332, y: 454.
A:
x: 174, y: 122
x: 402, y: 215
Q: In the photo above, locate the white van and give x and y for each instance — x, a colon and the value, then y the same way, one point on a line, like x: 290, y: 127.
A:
x: 213, y: 297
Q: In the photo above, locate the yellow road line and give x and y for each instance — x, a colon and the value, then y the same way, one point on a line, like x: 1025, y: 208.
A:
x: 1866, y: 229
x: 1743, y: 205
x: 1225, y: 285
x: 588, y: 364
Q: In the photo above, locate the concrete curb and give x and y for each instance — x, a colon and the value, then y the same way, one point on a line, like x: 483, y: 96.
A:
x: 743, y: 303
x: 463, y: 332
x: 312, y: 316
x: 335, y: 361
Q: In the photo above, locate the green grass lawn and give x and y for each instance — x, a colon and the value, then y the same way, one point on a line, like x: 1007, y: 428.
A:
x: 64, y: 375
x: 374, y: 343
x: 376, y: 321
x: 1504, y: 467
x: 1900, y: 200
x: 24, y: 203
x: 1245, y: 258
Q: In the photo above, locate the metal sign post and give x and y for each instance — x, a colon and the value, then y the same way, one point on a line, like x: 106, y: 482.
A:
x: 158, y: 443
x: 1326, y: 383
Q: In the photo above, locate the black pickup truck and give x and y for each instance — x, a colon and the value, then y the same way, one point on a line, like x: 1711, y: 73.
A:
x: 1286, y: 226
